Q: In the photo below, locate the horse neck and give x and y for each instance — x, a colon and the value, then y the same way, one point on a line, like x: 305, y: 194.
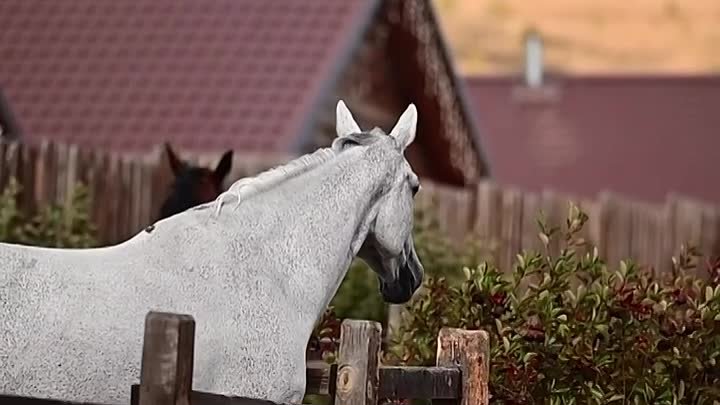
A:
x: 335, y: 199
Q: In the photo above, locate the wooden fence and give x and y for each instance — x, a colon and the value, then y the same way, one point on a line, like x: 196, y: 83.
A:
x: 506, y: 220
x: 460, y: 377
x: 127, y: 192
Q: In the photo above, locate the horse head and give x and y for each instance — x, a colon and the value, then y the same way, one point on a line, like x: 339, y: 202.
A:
x: 388, y: 247
x: 193, y: 185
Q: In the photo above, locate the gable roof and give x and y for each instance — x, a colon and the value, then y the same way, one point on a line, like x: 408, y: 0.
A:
x: 643, y: 136
x: 202, y: 74
x: 205, y: 75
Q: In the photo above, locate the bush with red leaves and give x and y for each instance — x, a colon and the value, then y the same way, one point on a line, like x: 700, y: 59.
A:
x: 571, y: 329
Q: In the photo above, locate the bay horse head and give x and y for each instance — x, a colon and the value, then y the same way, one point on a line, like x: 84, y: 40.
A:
x: 193, y: 185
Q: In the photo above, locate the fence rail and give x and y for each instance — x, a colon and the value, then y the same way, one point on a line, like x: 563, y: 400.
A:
x: 461, y: 375
x: 127, y: 192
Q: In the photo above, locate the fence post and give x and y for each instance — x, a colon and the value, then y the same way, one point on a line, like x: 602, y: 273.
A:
x: 470, y: 351
x: 358, y: 363
x: 167, y: 359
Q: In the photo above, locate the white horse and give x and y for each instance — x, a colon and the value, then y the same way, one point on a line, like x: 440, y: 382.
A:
x: 255, y: 268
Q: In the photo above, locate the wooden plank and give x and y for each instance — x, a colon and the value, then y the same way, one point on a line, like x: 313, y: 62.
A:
x: 487, y: 218
x: 655, y: 231
x: 395, y: 382
x: 136, y: 195
x: 167, y: 359
x: 646, y: 240
x: 688, y: 221
x: 452, y: 209
x: 147, y: 192
x: 28, y: 201
x: 321, y: 380
x: 461, y: 214
x: 162, y: 182
x: 709, y: 242
x: 529, y: 226
x: 101, y: 175
x: 636, y: 242
x: 3, y: 169
x: 112, y: 192
x: 666, y: 220
x: 71, y: 176
x: 587, y: 233
x: 84, y: 168
x: 358, y: 362
x: 126, y: 198
x: 11, y: 160
x: 41, y: 161
x: 49, y: 170
x: 470, y: 351
x: 511, y: 228
x: 61, y: 169
x: 711, y: 232
x: 442, y: 207
x: 87, y: 172
x: 690, y: 227
x: 554, y: 208
x: 617, y: 229
x: 427, y: 198
x: 420, y: 382
x: 72, y: 168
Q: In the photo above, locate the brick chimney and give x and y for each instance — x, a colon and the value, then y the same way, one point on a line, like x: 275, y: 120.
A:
x: 533, y: 59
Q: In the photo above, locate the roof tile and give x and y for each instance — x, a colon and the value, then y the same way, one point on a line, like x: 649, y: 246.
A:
x: 203, y: 74
x: 642, y: 136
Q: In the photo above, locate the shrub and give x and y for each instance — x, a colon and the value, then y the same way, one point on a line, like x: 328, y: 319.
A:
x: 358, y: 296
x: 568, y: 329
x: 54, y: 225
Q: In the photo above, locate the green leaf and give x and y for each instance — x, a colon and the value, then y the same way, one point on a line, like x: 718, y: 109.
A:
x: 506, y: 344
x: 623, y: 268
x: 544, y: 239
x: 616, y: 397
x: 521, y: 261
x: 466, y: 271
x: 498, y: 325
x: 681, y: 390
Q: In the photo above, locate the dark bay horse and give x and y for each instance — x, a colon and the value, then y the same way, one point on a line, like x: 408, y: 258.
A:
x: 193, y: 185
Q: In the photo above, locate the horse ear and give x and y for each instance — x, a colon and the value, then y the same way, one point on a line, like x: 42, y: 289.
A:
x: 404, y: 130
x: 344, y: 122
x: 176, y: 164
x: 223, y: 167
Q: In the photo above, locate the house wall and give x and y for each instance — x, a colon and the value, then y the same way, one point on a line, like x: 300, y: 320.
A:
x: 369, y: 88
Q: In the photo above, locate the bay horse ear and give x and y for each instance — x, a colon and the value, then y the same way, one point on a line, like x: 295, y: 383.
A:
x: 176, y: 164
x: 223, y: 167
x: 344, y: 122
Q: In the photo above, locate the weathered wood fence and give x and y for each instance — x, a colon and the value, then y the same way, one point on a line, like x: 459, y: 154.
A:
x: 358, y: 378
x: 127, y: 192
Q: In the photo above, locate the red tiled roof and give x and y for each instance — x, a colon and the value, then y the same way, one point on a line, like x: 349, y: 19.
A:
x: 207, y: 75
x: 640, y: 136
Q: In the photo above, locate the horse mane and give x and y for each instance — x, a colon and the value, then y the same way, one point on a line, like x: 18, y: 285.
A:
x: 250, y: 186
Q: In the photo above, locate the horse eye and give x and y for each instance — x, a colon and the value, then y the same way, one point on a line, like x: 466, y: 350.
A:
x: 350, y: 142
x: 415, y: 188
